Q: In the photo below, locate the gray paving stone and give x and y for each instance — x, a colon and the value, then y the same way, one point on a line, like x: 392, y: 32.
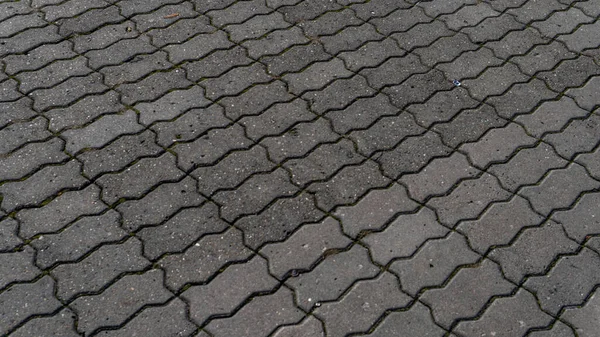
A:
x: 8, y: 235
x: 536, y: 10
x: 570, y: 73
x: 17, y: 266
x: 469, y: 64
x: 279, y: 220
x: 445, y: 49
x: 163, y: 16
x: 101, y: 131
x: 433, y: 263
x: 68, y: 92
x: 38, y: 57
x: 171, y: 105
x: 579, y: 136
x: 494, y: 81
x: 580, y: 221
x: 84, y: 111
x: 299, y: 140
x: 378, y: 8
x: 17, y: 134
x: 136, y: 68
x: 492, y: 28
x: 60, y: 325
x: 332, y: 277
x: 559, y: 329
x: 78, y: 239
x: 168, y: 320
x: 507, y: 317
x: 316, y: 76
x: 497, y: 145
x: 540, y: 246
x: 591, y: 161
x: 29, y: 39
x: 348, y: 185
x: 421, y: 35
x: 255, y: 100
x: 517, y: 43
x: 371, y: 54
x: 568, y: 283
x: 330, y: 23
x: 442, y: 106
x: 350, y: 38
x: 527, y: 167
x: 90, y: 20
x: 132, y: 7
x: 368, y: 300
x: 24, y: 300
x: 120, y: 152
x: 295, y: 58
x: 305, y: 10
x: 559, y: 189
x: 153, y: 87
x: 468, y: 199
x: 414, y: 322
x: 418, y: 88
x: 233, y: 170
x: 121, y: 300
x: 216, y: 63
x: 412, y: 154
x: 323, y: 162
x: 542, y: 58
x: 138, y: 178
x: 238, y: 12
x: 203, y: 259
x: 499, y: 224
x: 30, y: 157
x: 338, y: 94
x: 583, y: 318
x: 235, y: 81
x: 430, y: 182
x: 582, y: 38
x: 275, y: 42
x: 104, y: 36
x: 400, y: 20
x: 468, y: 16
x: 15, y: 111
x: 585, y: 96
x: 551, y: 116
x: 181, y: 230
x: 207, y: 5
x: 256, y: 27
x: 99, y: 268
x: 247, y: 199
x: 310, y: 327
x: 562, y: 22
x: 152, y: 210
x: 9, y: 89
x: 9, y: 9
x: 42, y: 185
x: 59, y: 212
x: 305, y: 247
x: 181, y: 31
x: 393, y: 71
x: 259, y: 317
x: 211, y: 146
x: 197, y: 47
x: 521, y: 98
x: 276, y: 119
x: 466, y: 293
x: 361, y: 113
x: 119, y: 52
x: 239, y: 281
x: 386, y: 133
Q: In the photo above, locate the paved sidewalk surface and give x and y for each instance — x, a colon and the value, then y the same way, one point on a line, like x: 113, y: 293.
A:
x: 299, y: 168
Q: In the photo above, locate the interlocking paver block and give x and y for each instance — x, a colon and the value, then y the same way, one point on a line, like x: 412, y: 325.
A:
x: 180, y: 31
x: 235, y: 81
x: 386, y: 133
x: 579, y: 136
x: 153, y: 87
x: 90, y: 21
x: 469, y: 64
x: 260, y: 317
x: 25, y: 300
x: 17, y: 266
x: 416, y: 321
x: 418, y: 88
x: 137, y: 179
x: 275, y: 42
x: 101, y: 131
x: 172, y: 105
x: 62, y: 324
x: 400, y: 20
x: 168, y: 320
x: 442, y: 106
x: 559, y: 189
x: 584, y: 318
x: 503, y: 219
x: 494, y: 81
x: 542, y: 57
x: 527, y: 167
x: 78, y: 239
x: 163, y: 17
x: 559, y: 329
x: 238, y: 281
x: 493, y: 28
x: 255, y: 100
x: 521, y: 98
x: 240, y: 11
x: 295, y: 58
x: 403, y: 237
x: 42, y: 185
x: 421, y: 35
x: 551, y: 116
x: 216, y: 63
x: 9, y: 90
x: 466, y: 293
x: 198, y: 46
x: 310, y: 327
x: 329, y: 23
x: 535, y: 10
x: 29, y: 39
x: 539, y: 245
x: 52, y: 74
x: 430, y: 182
x: 23, y: 161
x: 181, y: 230
x: 84, y: 111
x: 469, y: 15
x: 119, y: 52
x: 99, y: 268
x: 582, y: 38
x: 510, y: 316
x: 568, y: 283
x: 278, y: 221
x: 316, y: 76
x: 393, y: 71
x: 104, y: 36
x: 581, y: 220
x: 371, y: 54
x: 204, y: 259
x: 563, y: 22
x: 591, y: 161
x: 125, y: 297
x: 570, y: 73
x: 368, y: 300
x: 350, y: 38
x: 304, y: 247
x: 15, y: 111
x: 332, y: 277
x: 17, y: 134
x: 468, y: 199
x: 586, y: 96
x: 338, y: 94
x: 60, y: 211
x: 433, y: 263
x: 497, y: 145
x: 276, y: 119
x: 136, y: 68
x: 8, y: 235
x: 68, y: 92
x: 361, y: 113
x: 256, y: 27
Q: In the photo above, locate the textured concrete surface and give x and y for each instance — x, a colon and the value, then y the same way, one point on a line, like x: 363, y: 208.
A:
x: 300, y: 168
